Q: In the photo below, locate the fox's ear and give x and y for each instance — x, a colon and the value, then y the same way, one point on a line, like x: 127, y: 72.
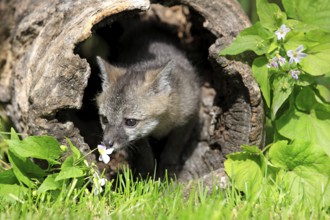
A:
x: 160, y: 79
x: 109, y: 73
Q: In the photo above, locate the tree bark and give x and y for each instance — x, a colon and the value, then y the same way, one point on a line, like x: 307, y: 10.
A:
x: 42, y: 76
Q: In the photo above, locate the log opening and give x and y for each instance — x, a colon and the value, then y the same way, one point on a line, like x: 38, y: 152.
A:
x: 219, y: 91
x: 48, y: 81
x: 181, y: 21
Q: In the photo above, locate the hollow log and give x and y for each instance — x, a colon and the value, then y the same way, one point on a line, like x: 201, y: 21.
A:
x: 48, y: 83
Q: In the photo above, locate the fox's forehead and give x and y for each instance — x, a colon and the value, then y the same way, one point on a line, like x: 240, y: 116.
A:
x: 117, y: 104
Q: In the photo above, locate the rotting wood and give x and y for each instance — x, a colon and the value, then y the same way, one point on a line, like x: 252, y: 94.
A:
x: 42, y: 76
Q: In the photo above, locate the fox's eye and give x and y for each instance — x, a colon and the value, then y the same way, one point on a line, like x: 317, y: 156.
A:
x: 130, y: 122
x: 104, y: 120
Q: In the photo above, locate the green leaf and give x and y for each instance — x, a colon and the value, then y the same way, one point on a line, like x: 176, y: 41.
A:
x: 317, y: 47
x: 11, y: 192
x: 25, y: 169
x: 72, y: 172
x: 8, y: 177
x: 69, y: 170
x: 75, y: 152
x: 245, y: 168
x: 270, y: 15
x: 305, y: 169
x: 282, y: 87
x: 299, y: 153
x: 245, y: 173
x: 41, y: 147
x: 69, y: 162
x: 311, y: 122
x: 324, y: 92
x: 254, y: 38
x: 305, y: 100
x: 305, y: 80
x: 13, y: 135
x: 298, y: 26
x: 252, y: 150
x: 304, y: 183
x: 50, y: 183
x: 294, y: 39
x: 316, y: 62
x: 314, y: 12
x: 323, y: 87
x: 260, y: 73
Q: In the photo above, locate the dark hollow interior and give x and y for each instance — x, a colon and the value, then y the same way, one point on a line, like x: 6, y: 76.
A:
x: 192, y: 36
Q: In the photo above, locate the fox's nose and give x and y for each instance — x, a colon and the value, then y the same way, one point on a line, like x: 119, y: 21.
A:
x: 109, y: 143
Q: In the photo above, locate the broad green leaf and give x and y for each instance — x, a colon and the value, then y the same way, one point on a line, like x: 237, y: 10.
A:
x: 270, y: 15
x: 69, y: 162
x: 316, y: 62
x: 318, y: 36
x: 41, y: 147
x: 299, y: 153
x: 323, y: 87
x: 282, y: 89
x: 8, y: 177
x: 305, y: 170
x: 294, y: 39
x: 317, y: 47
x: 312, y: 40
x: 305, y: 100
x: 245, y: 168
x: 50, y: 183
x: 312, y: 124
x: 299, y: 26
x: 254, y: 38
x: 245, y: 173
x: 273, y: 48
x: 11, y: 192
x: 25, y: 170
x: 260, y: 73
x: 304, y: 183
x: 314, y: 12
x: 305, y: 80
x: 69, y: 170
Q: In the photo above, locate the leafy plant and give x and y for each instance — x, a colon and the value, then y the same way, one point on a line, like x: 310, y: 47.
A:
x: 59, y: 168
x: 292, y: 68
x: 300, y: 169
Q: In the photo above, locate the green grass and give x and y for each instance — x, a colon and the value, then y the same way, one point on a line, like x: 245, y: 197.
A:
x: 159, y: 200
x: 149, y: 199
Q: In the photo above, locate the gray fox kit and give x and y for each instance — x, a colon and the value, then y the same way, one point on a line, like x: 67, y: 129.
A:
x: 152, y: 91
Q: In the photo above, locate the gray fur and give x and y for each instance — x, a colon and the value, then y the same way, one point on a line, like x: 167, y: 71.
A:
x: 155, y: 84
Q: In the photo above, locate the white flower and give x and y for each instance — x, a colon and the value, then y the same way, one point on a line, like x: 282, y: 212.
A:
x: 98, y: 183
x: 296, y: 55
x: 104, y: 153
x: 294, y: 74
x: 282, y: 31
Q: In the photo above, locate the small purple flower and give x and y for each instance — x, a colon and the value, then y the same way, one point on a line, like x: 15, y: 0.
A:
x: 282, y: 31
x: 273, y: 63
x: 296, y: 55
x: 294, y: 74
x: 104, y: 153
x: 281, y: 60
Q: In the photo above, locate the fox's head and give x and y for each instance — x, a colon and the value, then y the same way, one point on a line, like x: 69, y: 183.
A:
x: 133, y: 102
